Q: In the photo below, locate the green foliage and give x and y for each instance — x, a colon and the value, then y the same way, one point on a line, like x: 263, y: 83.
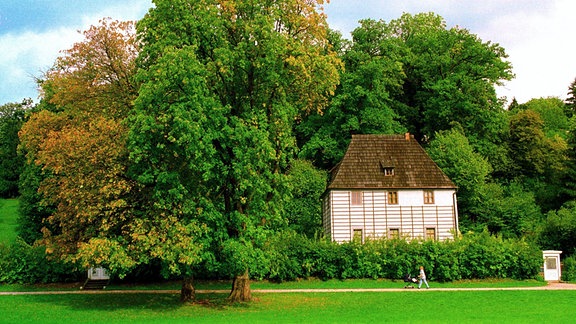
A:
x: 533, y: 153
x: 26, y: 264
x: 473, y: 256
x: 304, y: 208
x: 454, y: 154
x: 508, y: 210
x: 552, y: 113
x: 12, y: 116
x: 450, y: 76
x: 569, y: 269
x: 32, y: 211
x: 559, y: 230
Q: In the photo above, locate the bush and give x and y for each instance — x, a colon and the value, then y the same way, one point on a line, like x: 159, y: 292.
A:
x: 569, y: 269
x: 25, y: 264
x: 472, y: 256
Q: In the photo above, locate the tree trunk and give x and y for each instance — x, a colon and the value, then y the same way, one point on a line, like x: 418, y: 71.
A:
x: 241, y: 288
x: 187, y: 293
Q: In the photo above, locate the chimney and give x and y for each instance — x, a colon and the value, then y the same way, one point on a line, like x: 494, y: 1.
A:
x: 407, y: 136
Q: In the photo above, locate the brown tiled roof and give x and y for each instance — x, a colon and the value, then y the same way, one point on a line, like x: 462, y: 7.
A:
x: 367, y: 156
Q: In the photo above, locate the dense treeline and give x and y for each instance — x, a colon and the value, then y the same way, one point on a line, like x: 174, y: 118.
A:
x: 190, y: 139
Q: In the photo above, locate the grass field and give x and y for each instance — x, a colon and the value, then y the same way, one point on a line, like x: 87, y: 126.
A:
x: 411, y: 306
x: 408, y: 306
x: 8, y: 218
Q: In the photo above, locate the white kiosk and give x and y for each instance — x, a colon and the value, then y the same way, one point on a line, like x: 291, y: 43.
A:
x: 552, y: 271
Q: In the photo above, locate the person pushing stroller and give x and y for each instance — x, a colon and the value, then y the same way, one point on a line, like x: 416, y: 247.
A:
x: 422, y: 277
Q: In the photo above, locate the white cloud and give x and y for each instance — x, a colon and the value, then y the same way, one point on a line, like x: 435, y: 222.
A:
x: 540, y: 49
x: 26, y: 56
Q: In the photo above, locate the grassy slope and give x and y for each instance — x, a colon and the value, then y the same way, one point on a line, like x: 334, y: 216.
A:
x: 414, y: 306
x: 8, y: 218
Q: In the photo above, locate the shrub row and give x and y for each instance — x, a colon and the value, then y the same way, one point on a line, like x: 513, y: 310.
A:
x: 25, y: 264
x: 472, y: 256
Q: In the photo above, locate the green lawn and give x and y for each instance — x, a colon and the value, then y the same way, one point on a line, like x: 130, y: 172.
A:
x: 411, y: 306
x: 8, y: 218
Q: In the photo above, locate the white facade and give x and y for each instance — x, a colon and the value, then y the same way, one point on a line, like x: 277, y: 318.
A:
x: 386, y: 213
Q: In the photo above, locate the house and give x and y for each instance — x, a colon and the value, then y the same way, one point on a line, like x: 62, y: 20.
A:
x: 388, y: 186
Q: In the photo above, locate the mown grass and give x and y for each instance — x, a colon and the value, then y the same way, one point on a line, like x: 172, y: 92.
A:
x: 8, y: 220
x: 410, y: 306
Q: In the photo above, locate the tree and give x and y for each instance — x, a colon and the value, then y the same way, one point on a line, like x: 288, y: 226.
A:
x: 80, y: 146
x: 95, y: 76
x: 304, y: 208
x: 12, y: 116
x: 507, y: 210
x: 538, y: 161
x: 570, y: 103
x: 552, y: 113
x: 211, y: 135
x: 413, y: 74
x: 451, y: 75
x: 462, y: 164
x: 364, y: 102
x: 559, y: 230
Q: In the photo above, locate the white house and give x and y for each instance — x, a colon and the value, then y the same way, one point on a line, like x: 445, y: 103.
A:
x: 387, y: 186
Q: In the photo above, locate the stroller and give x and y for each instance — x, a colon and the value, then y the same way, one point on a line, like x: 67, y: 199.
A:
x: 409, y: 281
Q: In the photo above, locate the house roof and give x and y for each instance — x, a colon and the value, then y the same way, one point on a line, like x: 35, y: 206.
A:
x: 368, y: 156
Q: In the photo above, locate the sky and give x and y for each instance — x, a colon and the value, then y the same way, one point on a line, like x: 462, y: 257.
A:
x: 536, y: 34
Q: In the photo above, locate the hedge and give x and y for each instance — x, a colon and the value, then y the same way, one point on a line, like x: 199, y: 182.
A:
x: 471, y: 256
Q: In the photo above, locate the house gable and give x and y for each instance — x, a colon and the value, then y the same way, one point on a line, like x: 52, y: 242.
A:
x: 387, y: 185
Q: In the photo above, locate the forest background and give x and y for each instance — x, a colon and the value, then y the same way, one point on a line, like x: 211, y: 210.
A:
x: 188, y: 141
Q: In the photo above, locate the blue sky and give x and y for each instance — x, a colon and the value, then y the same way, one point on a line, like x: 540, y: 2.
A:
x: 537, y: 35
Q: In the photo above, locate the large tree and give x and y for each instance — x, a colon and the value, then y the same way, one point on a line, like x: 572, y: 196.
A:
x: 211, y: 135
x: 78, y: 139
x: 79, y: 143
x: 414, y: 74
x: 364, y: 102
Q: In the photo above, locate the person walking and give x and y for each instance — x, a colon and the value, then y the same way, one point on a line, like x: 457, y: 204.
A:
x: 422, y: 277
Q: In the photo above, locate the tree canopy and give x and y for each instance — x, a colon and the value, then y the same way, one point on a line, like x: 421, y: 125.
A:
x: 412, y: 74
x: 211, y: 133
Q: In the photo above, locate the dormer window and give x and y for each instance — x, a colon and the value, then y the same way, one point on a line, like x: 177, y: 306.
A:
x: 387, y: 167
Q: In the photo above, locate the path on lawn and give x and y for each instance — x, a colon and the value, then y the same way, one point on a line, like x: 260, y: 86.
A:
x: 550, y: 286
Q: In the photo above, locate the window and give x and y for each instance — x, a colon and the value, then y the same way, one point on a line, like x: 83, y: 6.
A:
x: 428, y: 196
x: 388, y: 171
x: 356, y: 197
x: 430, y: 233
x: 357, y: 235
x: 550, y: 263
x: 394, y: 233
x: 393, y: 197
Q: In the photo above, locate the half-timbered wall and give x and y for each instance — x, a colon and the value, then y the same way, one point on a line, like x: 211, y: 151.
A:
x: 376, y: 217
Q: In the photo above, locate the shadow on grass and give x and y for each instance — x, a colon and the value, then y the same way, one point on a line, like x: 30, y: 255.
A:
x: 153, y: 302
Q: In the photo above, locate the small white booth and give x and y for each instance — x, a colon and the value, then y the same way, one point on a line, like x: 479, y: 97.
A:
x: 552, y: 271
x: 98, y: 273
